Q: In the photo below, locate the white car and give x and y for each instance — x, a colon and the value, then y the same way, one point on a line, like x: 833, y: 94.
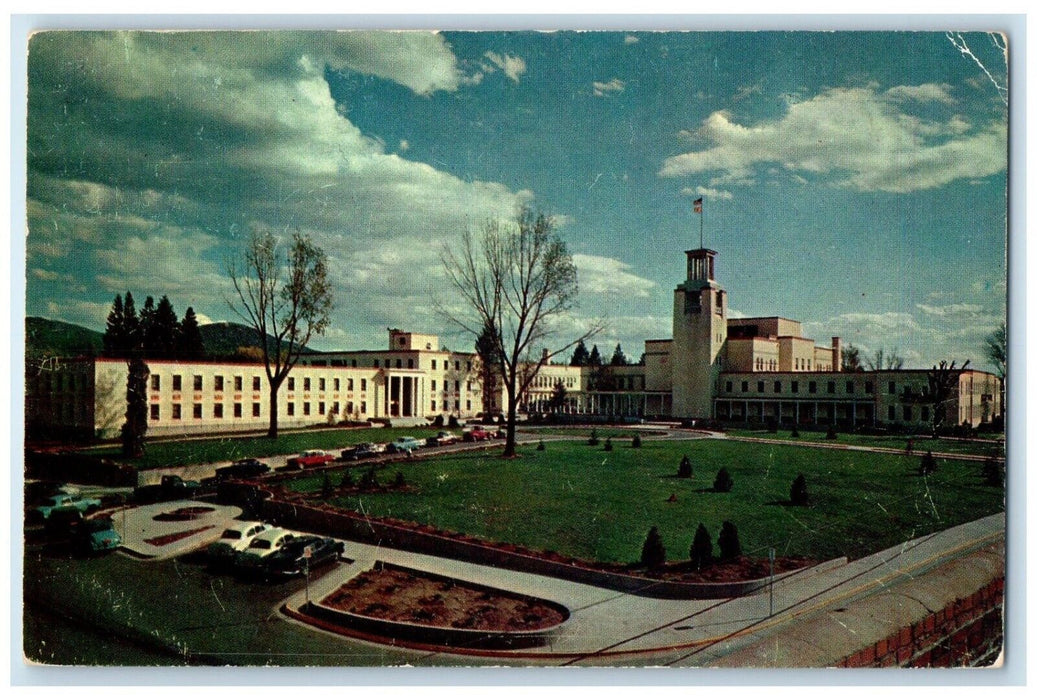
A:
x: 234, y: 540
x: 262, y: 546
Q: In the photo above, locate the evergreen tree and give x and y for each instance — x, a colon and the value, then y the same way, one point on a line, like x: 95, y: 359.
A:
x: 594, y: 359
x: 147, y: 328
x: 928, y: 464
x: 115, y: 330
x: 653, y: 553
x: 701, y: 548
x: 165, y: 329
x: 131, y: 327
x: 993, y: 472
x: 684, y: 471
x: 730, y: 547
x: 136, y: 425
x: 723, y: 483
x: 580, y: 355
x: 798, y: 494
x: 326, y: 490
x: 191, y: 345
x: 618, y: 358
x: 489, y: 367
x: 347, y: 480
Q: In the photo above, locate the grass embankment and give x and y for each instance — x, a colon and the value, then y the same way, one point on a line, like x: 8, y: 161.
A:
x: 987, y: 447
x: 178, y: 453
x: 585, y: 502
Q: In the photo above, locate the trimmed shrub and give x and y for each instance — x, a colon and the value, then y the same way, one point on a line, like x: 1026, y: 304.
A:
x: 325, y: 487
x: 653, y: 553
x: 399, y: 481
x: 701, y: 548
x: 369, y: 480
x: 684, y: 471
x: 347, y: 480
x: 730, y: 547
x: 993, y: 472
x: 927, y: 465
x: 453, y: 422
x: 723, y: 483
x: 831, y: 434
x: 593, y: 440
x: 636, y: 442
x: 608, y: 444
x: 795, y: 433
x: 540, y: 446
x: 437, y: 422
x: 798, y: 494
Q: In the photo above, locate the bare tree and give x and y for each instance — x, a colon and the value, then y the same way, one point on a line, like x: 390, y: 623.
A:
x: 286, y: 296
x: 881, y: 360
x: 514, y: 278
x: 941, y: 389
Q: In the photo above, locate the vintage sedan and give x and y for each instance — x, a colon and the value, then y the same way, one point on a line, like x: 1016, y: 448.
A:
x: 291, y: 559
x: 405, y: 444
x: 252, y: 558
x: 62, y: 501
x: 234, y: 540
x: 96, y: 536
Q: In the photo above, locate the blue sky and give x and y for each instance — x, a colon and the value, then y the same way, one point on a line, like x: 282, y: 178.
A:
x: 853, y: 181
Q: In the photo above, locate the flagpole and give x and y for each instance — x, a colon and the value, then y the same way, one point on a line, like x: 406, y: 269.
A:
x: 702, y: 216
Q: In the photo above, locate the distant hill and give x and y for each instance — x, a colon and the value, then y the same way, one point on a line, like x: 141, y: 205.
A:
x: 44, y: 337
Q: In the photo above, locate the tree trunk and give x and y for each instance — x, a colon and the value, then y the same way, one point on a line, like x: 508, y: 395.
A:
x: 272, y: 430
x: 509, y: 442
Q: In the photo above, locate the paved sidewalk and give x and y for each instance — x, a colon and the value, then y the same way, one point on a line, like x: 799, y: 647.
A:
x: 606, y: 626
x: 142, y: 535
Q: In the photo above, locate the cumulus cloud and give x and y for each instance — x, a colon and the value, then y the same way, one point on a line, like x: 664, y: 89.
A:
x: 630, y: 39
x: 600, y: 275
x: 858, y: 138
x: 613, y: 86
x: 706, y: 192
x: 153, y: 154
x: 513, y: 66
x: 929, y: 92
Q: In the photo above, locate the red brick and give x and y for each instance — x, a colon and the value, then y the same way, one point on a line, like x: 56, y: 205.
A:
x: 923, y: 660
x: 905, y: 637
x: 903, y: 654
x: 881, y: 648
x: 867, y: 655
x: 938, y: 617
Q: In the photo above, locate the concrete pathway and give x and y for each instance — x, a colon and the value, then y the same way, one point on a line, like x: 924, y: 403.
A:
x: 139, y: 529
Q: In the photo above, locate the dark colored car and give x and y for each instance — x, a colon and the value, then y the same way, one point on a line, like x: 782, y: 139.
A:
x: 95, y: 536
x: 361, y: 451
x: 243, y: 469
x: 290, y: 560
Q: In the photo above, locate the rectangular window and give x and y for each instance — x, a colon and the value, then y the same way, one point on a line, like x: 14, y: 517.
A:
x: 468, y: 405
x: 349, y: 384
x: 363, y: 385
x: 433, y: 404
x: 255, y: 410
x: 831, y: 387
x: 363, y: 407
x: 376, y: 364
x: 468, y: 386
x: 217, y: 383
x: 759, y: 387
x: 433, y: 364
x: 291, y: 408
x: 892, y: 413
x: 812, y: 388
x: 457, y: 405
x: 197, y: 410
x: 176, y: 382
x: 925, y: 413
x: 869, y: 387
x: 176, y: 411
x: 337, y: 386
x: 777, y: 387
x: 745, y: 387
x: 291, y: 383
x: 410, y: 363
x: 306, y: 408
x: 892, y: 387
x: 849, y: 387
x: 197, y: 382
x: 237, y: 383
x: 729, y: 386
x: 457, y: 366
x: 320, y: 384
x: 154, y: 411
x: 255, y: 383
x: 433, y: 385
x: 156, y: 382
x: 399, y: 363
x: 457, y: 386
x: 795, y: 387
x: 217, y: 410
x: 306, y: 384
x: 237, y: 410
x: 907, y: 413
x: 469, y: 366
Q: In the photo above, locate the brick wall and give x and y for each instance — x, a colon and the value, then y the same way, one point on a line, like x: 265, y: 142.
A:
x: 968, y: 632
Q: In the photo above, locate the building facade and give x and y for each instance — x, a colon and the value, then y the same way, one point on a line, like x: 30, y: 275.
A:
x: 750, y: 371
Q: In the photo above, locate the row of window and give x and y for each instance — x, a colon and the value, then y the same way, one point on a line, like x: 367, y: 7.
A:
x: 238, y: 381
x: 761, y: 387
x: 198, y: 410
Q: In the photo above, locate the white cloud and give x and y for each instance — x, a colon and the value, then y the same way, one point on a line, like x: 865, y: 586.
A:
x: 706, y: 192
x: 929, y: 92
x: 404, y: 146
x: 613, y: 86
x: 630, y: 39
x: 600, y: 275
x: 513, y: 66
x: 951, y: 309
x: 856, y: 136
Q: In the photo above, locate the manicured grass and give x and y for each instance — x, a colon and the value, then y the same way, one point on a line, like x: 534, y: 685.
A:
x: 895, y: 442
x: 184, y: 452
x: 585, y: 502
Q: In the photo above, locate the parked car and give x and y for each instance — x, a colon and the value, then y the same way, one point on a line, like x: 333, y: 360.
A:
x: 476, y: 434
x: 242, y: 469
x: 83, y: 504
x: 96, y: 535
x: 38, y: 491
x: 252, y: 558
x: 441, y: 438
x: 290, y: 560
x: 362, y: 451
x: 235, y: 539
x: 405, y: 444
x: 171, y: 488
x: 310, y: 459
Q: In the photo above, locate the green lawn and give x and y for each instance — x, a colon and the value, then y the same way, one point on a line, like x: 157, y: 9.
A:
x: 588, y: 503
x: 896, y: 442
x: 176, y: 453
